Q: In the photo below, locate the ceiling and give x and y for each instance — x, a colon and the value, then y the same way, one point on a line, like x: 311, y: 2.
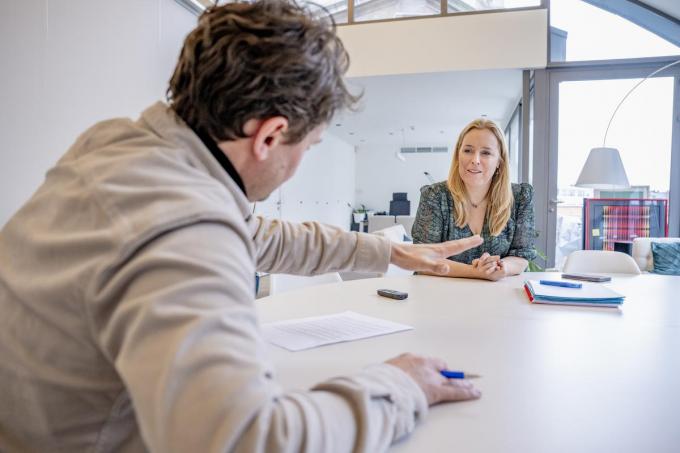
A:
x: 426, y: 109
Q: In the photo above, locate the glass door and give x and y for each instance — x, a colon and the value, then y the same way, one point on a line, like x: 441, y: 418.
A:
x: 646, y: 131
x: 641, y: 131
x: 598, y: 52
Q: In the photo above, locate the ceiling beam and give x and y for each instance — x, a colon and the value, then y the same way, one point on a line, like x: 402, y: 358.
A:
x: 194, y: 6
x: 645, y: 16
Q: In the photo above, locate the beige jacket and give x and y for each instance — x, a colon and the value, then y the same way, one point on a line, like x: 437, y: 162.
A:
x: 126, y: 311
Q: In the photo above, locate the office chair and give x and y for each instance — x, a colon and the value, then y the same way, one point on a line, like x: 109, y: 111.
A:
x: 600, y: 261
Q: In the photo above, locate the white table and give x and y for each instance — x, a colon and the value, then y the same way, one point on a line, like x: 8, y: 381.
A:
x: 555, y: 378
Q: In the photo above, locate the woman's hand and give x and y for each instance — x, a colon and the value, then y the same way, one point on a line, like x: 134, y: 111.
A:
x: 489, y: 267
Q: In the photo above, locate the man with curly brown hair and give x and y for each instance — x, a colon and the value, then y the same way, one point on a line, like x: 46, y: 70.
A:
x: 126, y: 289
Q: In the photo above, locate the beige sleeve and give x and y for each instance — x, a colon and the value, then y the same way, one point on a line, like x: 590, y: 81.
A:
x: 177, y: 321
x: 312, y: 248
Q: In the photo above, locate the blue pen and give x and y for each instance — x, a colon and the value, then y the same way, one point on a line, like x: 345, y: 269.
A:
x: 458, y: 374
x: 561, y: 284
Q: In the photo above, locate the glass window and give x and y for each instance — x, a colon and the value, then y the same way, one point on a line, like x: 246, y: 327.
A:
x: 529, y: 163
x: 512, y: 136
x: 337, y: 8
x: 365, y: 10
x: 641, y: 131
x: 481, y: 5
x: 580, y: 31
x: 394, y: 9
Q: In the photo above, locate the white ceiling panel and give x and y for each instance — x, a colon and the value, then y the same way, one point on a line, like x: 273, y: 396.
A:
x: 426, y: 109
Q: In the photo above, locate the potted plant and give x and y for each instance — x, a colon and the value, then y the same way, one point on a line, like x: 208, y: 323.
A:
x: 359, y: 214
x: 534, y: 266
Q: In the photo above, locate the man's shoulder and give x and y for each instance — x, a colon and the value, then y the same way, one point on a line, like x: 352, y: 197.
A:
x: 143, y: 181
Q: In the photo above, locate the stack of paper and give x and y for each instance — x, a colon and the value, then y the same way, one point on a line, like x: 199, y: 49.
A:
x: 306, y: 333
x: 592, y: 294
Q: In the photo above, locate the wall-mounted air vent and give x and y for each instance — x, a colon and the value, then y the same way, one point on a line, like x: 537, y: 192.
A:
x: 423, y: 149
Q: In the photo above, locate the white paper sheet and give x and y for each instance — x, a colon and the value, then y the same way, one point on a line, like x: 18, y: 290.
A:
x: 307, y: 333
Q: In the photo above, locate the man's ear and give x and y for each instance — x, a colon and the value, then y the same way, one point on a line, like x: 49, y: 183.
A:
x: 266, y: 134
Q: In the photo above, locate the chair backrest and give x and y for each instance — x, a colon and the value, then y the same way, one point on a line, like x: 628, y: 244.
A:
x: 642, y: 251
x: 379, y: 222
x: 407, y: 221
x: 600, y: 261
x: 394, y: 233
x: 280, y: 283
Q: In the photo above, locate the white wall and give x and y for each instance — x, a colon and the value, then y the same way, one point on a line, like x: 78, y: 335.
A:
x: 67, y: 64
x: 322, y: 189
x: 509, y: 39
x: 70, y: 63
x: 379, y: 173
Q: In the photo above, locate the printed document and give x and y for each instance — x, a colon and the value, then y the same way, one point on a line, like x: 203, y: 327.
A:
x: 307, y: 333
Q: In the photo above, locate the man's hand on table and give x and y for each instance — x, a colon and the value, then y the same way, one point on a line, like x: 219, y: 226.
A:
x: 426, y: 372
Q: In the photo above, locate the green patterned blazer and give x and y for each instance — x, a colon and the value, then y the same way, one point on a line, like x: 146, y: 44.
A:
x: 436, y: 222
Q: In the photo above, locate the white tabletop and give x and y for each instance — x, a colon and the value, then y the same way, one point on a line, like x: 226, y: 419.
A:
x: 555, y: 378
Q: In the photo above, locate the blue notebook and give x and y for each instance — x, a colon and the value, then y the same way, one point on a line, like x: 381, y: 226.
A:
x: 593, y: 294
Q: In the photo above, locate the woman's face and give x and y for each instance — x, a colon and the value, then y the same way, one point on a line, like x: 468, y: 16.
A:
x: 478, y: 158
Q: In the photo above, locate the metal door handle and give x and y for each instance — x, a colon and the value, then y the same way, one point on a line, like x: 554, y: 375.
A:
x: 554, y: 202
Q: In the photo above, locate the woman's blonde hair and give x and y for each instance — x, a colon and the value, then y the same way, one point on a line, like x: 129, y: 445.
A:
x: 500, y: 192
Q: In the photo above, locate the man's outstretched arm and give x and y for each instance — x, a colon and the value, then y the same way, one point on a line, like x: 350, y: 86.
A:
x: 312, y: 248
x: 177, y: 321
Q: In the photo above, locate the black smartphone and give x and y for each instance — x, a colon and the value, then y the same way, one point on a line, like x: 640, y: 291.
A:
x: 393, y: 294
x: 588, y: 277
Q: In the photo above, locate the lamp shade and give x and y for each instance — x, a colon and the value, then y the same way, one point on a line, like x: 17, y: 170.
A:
x: 603, y: 170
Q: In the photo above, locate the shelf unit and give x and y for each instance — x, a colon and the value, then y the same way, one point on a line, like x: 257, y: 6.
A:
x: 613, y: 223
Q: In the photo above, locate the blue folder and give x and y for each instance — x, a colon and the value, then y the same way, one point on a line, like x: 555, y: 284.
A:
x: 589, y: 294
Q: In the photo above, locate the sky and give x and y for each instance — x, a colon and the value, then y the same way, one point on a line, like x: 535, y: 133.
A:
x: 641, y: 129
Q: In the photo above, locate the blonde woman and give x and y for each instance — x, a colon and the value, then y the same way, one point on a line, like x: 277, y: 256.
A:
x: 478, y: 198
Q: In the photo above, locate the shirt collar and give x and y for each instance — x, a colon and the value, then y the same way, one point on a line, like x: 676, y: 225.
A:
x: 219, y: 155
